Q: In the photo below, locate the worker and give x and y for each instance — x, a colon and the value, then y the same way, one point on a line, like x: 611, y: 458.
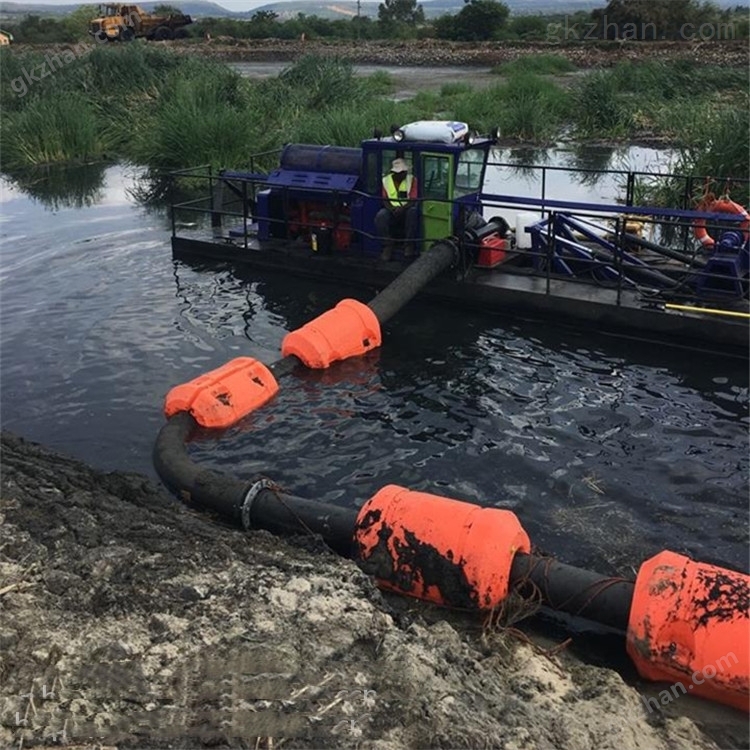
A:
x: 398, y: 218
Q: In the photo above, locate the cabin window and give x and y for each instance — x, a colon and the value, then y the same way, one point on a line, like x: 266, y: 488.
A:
x: 469, y: 172
x: 373, y: 174
x: 436, y: 170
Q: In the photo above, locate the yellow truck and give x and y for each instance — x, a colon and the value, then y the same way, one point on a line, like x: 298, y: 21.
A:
x: 123, y: 23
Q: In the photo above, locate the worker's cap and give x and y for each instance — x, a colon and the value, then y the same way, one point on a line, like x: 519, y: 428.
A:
x: 399, y: 165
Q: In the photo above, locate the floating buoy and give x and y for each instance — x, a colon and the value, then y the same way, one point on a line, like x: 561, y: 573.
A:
x: 348, y: 330
x: 689, y: 623
x: 446, y: 551
x: 223, y: 396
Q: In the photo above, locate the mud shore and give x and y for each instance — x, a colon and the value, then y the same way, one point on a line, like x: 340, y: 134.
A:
x: 131, y: 620
x: 435, y: 53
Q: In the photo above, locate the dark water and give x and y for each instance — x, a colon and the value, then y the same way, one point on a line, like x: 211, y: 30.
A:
x: 608, y: 450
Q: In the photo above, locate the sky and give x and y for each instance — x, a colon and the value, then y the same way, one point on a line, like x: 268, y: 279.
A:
x: 233, y: 5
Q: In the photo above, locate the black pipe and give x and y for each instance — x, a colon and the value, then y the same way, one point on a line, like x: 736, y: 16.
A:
x: 573, y: 590
x: 405, y: 286
x: 260, y: 504
x: 638, y: 273
x: 674, y: 254
x: 210, y: 489
x: 402, y: 289
x: 254, y: 504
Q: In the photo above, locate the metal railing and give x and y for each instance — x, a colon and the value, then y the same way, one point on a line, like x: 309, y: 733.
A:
x: 547, y: 259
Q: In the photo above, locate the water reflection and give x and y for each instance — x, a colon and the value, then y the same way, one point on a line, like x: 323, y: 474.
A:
x: 525, y: 159
x: 63, y: 187
x: 591, y: 160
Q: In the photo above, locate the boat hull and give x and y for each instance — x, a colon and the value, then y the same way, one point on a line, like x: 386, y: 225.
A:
x: 506, y: 291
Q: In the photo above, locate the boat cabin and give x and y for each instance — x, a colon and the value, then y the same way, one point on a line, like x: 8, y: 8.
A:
x: 334, y: 192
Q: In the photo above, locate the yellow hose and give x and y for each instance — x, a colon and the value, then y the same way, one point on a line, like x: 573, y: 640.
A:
x: 708, y: 310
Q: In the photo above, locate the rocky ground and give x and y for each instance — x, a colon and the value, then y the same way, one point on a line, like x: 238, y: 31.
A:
x: 128, y: 620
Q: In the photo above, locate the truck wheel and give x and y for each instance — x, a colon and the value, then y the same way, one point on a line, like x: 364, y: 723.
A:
x: 163, y: 33
x: 180, y: 34
x: 127, y: 34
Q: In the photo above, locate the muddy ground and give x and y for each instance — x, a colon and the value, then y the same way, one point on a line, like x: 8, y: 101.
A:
x: 434, y: 53
x: 130, y: 620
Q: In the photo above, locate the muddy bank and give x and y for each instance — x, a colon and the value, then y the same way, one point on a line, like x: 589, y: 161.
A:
x: 131, y: 620
x: 434, y: 53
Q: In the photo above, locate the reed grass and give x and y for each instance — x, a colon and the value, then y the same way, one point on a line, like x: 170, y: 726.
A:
x: 600, y: 108
x: 528, y: 108
x: 346, y: 127
x: 61, y: 128
x: 379, y: 83
x: 148, y: 105
x: 457, y: 88
x: 198, y: 120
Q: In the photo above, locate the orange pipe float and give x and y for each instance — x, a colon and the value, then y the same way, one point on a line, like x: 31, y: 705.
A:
x: 435, y: 548
x: 690, y: 624
x: 348, y: 330
x: 223, y: 396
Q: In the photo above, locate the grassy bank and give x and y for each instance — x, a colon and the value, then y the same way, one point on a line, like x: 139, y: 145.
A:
x: 147, y: 105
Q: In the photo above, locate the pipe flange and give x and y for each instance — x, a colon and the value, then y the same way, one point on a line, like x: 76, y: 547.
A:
x: 249, y: 499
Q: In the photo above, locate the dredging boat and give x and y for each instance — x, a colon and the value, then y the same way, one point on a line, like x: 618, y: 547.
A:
x: 676, y: 275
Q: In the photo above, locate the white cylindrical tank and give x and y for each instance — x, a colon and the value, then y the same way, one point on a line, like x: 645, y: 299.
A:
x: 523, y: 220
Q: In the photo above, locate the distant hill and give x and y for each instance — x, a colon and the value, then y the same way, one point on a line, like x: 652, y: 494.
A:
x: 193, y: 7
x: 432, y: 8
x: 331, y: 10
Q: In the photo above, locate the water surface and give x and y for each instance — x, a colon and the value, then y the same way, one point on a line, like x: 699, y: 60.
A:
x: 608, y: 450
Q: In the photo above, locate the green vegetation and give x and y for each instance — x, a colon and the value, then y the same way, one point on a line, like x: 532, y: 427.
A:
x: 681, y: 20
x: 147, y: 105
x: 540, y: 64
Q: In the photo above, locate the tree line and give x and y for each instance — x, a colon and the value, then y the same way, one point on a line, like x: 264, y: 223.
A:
x: 478, y: 20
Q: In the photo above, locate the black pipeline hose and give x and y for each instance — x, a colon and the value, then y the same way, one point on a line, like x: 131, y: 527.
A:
x: 277, y: 512
x: 403, y: 288
x: 573, y: 590
x: 400, y: 291
x: 254, y: 504
x: 259, y: 504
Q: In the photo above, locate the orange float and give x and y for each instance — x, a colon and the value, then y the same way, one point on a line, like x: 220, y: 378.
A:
x: 348, y: 330
x: 446, y: 551
x: 720, y: 206
x: 222, y: 397
x: 689, y: 624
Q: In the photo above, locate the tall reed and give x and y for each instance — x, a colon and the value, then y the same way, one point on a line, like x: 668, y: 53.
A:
x: 61, y: 128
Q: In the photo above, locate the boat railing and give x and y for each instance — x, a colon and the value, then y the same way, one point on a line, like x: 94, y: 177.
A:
x: 566, y: 234
x: 623, y: 247
x: 689, y: 187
